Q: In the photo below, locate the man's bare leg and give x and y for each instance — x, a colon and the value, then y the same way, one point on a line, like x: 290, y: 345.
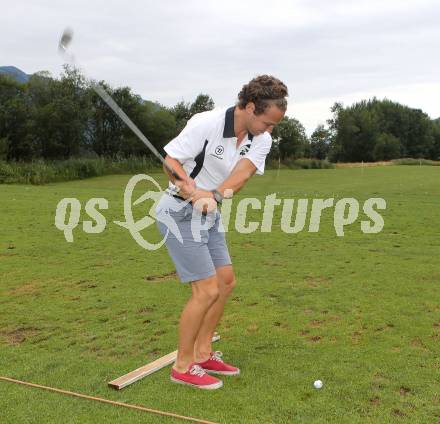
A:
x: 204, y: 294
x: 226, y: 283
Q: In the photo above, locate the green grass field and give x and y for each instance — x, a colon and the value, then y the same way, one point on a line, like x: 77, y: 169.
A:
x: 360, y: 312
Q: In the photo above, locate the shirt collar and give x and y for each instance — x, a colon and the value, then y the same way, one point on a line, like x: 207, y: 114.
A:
x: 228, y: 131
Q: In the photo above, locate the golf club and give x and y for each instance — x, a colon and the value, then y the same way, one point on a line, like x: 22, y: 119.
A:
x: 63, y: 45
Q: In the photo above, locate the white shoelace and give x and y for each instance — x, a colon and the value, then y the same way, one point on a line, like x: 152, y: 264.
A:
x: 197, y: 370
x: 217, y: 356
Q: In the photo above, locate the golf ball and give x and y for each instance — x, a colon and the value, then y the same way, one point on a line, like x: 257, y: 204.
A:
x: 317, y: 384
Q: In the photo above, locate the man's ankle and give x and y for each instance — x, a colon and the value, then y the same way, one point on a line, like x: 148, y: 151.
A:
x: 181, y: 367
x: 202, y: 355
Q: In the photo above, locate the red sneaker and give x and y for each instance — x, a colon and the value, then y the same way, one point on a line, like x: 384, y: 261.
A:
x: 215, y: 365
x: 196, y: 377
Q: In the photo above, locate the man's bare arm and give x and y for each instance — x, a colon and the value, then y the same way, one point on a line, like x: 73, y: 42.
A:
x: 177, y: 166
x: 186, y: 185
x: 243, y: 170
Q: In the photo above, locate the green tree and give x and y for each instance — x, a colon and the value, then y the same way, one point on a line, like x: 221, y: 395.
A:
x: 202, y: 103
x: 107, y: 133
x: 14, y: 113
x: 59, y: 111
x: 290, y: 139
x: 4, y: 148
x: 320, y: 143
x: 435, y: 151
x: 387, y: 147
x: 158, y: 124
x: 335, y: 147
x: 181, y: 113
x: 368, y: 130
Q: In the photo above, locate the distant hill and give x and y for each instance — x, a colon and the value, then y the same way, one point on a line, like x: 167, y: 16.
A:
x: 437, y: 120
x: 15, y: 73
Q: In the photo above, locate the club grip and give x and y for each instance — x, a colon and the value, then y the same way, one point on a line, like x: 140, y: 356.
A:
x: 176, y: 176
x: 172, y: 171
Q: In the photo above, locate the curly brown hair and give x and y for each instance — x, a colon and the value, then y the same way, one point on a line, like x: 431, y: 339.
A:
x: 263, y: 91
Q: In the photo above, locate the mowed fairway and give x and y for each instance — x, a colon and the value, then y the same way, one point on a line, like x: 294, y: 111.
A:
x: 360, y: 312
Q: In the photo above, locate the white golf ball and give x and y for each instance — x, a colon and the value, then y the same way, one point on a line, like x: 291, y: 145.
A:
x: 317, y: 384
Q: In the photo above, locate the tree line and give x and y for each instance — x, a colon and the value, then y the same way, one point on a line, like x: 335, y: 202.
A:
x: 375, y: 130
x: 50, y: 118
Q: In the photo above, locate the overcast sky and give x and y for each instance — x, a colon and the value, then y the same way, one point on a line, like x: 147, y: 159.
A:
x: 325, y: 51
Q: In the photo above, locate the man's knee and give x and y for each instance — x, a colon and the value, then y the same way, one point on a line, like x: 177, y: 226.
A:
x: 206, y: 291
x: 226, y: 283
x: 230, y: 284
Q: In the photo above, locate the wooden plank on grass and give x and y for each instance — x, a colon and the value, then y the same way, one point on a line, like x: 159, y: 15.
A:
x: 148, y: 369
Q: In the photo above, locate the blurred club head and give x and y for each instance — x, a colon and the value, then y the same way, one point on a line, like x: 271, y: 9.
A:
x: 65, y: 40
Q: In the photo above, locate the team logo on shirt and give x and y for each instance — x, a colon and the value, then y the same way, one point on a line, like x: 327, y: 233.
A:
x: 245, y: 149
x: 219, y: 150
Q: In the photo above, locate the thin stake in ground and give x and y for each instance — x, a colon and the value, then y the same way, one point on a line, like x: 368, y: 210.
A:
x: 111, y: 402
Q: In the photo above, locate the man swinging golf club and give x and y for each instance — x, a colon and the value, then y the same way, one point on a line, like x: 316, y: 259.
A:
x: 216, y: 153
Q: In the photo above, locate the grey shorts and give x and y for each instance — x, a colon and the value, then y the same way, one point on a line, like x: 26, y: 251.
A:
x: 195, y: 242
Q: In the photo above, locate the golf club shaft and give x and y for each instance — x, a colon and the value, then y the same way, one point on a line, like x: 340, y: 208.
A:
x: 114, y: 106
x: 65, y: 40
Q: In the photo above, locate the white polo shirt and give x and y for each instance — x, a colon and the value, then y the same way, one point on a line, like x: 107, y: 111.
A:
x: 207, y: 148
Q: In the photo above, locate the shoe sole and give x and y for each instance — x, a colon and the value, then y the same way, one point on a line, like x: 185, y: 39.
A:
x: 222, y: 372
x: 213, y: 386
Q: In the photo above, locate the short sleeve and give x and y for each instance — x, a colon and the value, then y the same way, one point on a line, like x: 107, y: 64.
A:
x: 258, y: 152
x: 189, y: 143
